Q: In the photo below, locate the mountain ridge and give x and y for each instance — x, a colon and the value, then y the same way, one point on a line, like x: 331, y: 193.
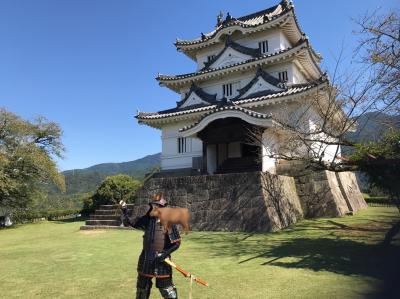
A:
x: 88, y: 179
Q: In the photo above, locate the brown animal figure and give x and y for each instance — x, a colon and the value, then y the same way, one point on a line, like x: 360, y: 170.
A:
x: 169, y: 216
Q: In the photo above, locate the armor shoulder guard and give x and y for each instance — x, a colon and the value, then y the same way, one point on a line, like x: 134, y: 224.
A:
x: 174, y: 235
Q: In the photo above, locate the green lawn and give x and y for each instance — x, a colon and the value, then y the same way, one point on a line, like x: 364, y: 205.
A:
x: 323, y: 258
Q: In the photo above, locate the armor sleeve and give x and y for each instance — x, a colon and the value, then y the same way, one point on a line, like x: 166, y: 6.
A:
x: 167, y: 252
x: 171, y: 249
x: 142, y: 222
x: 139, y: 223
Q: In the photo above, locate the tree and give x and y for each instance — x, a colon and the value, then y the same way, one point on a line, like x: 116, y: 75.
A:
x: 27, y: 149
x: 381, y: 162
x: 315, y: 132
x: 115, y: 188
x: 379, y: 49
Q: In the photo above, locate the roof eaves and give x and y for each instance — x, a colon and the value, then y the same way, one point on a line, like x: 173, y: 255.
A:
x: 226, y: 108
x: 293, y: 89
x: 286, y: 6
x: 204, y: 71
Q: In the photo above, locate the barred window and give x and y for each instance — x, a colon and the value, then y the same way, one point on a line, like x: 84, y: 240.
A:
x: 210, y: 57
x: 283, y: 76
x: 227, y: 90
x: 263, y: 46
x: 182, y: 145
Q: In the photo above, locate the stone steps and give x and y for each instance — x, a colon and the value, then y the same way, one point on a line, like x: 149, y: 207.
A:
x: 106, y: 212
x: 104, y: 222
x: 104, y: 217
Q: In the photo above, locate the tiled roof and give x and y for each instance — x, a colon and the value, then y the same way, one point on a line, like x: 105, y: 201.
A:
x: 292, y: 90
x: 204, y: 71
x: 251, y: 20
x: 173, y: 112
x: 231, y: 107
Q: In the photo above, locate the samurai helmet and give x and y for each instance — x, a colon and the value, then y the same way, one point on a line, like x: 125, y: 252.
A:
x: 159, y: 200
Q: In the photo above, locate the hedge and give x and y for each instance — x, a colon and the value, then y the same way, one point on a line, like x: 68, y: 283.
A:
x: 30, y: 216
x: 384, y: 201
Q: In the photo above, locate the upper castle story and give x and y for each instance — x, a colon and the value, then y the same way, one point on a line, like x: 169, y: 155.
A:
x: 267, y: 48
x: 267, y: 31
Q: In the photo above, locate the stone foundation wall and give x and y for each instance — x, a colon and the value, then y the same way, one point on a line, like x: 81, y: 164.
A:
x: 352, y: 191
x: 325, y: 193
x: 256, y: 201
x: 228, y: 202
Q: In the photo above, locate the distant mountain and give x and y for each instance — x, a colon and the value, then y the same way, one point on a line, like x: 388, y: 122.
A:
x: 88, y: 179
x: 372, y: 125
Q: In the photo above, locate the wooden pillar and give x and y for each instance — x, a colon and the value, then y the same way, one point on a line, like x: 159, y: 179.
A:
x: 204, y: 170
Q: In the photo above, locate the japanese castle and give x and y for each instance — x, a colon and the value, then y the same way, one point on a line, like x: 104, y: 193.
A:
x: 248, y: 68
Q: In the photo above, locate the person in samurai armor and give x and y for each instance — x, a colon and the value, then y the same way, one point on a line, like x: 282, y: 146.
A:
x: 157, y: 245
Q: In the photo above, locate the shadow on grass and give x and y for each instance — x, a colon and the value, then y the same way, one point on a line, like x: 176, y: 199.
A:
x: 321, y: 245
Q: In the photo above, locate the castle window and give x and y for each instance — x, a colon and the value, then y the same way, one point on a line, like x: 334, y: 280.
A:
x: 263, y: 46
x: 210, y: 57
x: 227, y: 90
x: 283, y: 76
x: 182, y: 145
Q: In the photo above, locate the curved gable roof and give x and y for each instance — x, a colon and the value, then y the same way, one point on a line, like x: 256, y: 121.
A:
x: 280, y: 86
x: 206, y: 97
x: 229, y: 44
x: 250, y: 116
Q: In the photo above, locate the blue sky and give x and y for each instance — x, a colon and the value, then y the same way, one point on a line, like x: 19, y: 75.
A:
x: 89, y: 64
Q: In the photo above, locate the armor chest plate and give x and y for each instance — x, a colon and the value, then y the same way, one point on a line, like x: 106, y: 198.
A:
x: 159, y: 238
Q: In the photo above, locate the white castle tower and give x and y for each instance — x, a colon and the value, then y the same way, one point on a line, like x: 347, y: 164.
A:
x: 247, y: 69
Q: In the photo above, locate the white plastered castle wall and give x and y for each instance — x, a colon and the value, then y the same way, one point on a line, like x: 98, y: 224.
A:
x: 276, y: 41
x: 302, y: 115
x: 321, y: 146
x: 170, y: 157
x: 273, y: 36
x: 296, y: 76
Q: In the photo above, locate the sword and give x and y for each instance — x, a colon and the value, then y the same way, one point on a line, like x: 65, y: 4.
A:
x: 185, y: 273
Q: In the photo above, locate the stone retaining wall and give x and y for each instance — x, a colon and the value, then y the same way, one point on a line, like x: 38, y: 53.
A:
x: 256, y: 201
x: 325, y: 193
x: 228, y: 202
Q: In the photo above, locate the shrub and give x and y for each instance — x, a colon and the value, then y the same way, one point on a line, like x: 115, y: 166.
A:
x: 115, y: 188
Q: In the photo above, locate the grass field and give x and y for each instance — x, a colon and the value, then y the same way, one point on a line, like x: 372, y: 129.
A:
x: 323, y: 258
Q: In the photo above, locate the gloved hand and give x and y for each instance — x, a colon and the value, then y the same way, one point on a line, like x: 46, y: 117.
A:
x: 161, y: 257
x: 122, y: 204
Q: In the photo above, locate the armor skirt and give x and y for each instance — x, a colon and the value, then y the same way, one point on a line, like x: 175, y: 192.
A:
x: 147, y: 266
